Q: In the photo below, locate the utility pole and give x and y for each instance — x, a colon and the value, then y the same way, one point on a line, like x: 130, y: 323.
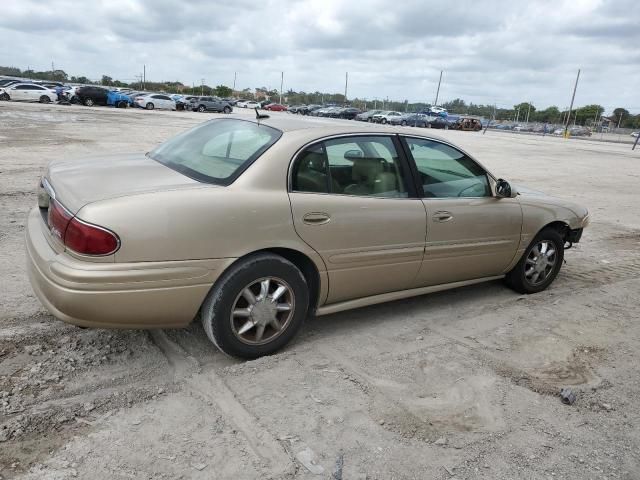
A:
x: 202, y: 87
x: 575, y: 87
x: 528, y: 112
x: 235, y: 76
x: 346, y: 83
x: 281, y: 83
x: 144, y: 76
x: 53, y: 69
x: 435, y: 103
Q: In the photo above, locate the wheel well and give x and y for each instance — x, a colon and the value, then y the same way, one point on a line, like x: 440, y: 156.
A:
x: 306, y: 266
x: 560, y: 227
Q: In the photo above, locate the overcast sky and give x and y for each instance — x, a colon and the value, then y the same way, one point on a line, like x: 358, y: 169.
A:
x: 491, y: 51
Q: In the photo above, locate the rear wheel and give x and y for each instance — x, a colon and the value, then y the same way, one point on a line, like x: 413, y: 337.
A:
x: 227, y: 110
x: 383, y: 121
x: 256, y: 307
x: 5, y: 97
x: 201, y: 108
x: 403, y: 123
x: 150, y: 106
x: 45, y: 99
x: 540, y: 263
x: 88, y: 102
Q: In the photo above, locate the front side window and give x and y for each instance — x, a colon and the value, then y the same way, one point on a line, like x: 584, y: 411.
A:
x: 218, y: 151
x: 446, y: 172
x: 362, y: 166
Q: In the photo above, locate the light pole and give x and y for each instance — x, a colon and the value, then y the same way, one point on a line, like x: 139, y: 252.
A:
x: 435, y: 103
x: 575, y: 87
x: 202, y: 87
x: 281, y: 83
x: 346, y: 83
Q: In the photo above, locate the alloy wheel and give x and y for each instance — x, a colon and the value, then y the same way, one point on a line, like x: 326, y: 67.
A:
x: 262, y: 311
x: 540, y: 262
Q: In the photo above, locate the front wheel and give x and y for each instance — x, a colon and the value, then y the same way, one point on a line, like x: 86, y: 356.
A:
x: 403, y: 123
x: 149, y: 106
x: 44, y: 99
x: 256, y: 307
x: 540, y: 263
x: 227, y: 110
x: 5, y: 97
x: 201, y: 108
x: 88, y: 102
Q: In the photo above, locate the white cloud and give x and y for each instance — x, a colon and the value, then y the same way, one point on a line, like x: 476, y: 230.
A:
x: 494, y: 51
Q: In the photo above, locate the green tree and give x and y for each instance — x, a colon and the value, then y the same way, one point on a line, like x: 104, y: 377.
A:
x: 106, y: 80
x: 588, y: 115
x: 222, y: 91
x: 621, y: 116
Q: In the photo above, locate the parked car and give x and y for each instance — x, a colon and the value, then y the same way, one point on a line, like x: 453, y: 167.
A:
x: 384, y: 117
x: 118, y: 99
x: 635, y: 134
x: 440, y: 122
x: 296, y: 108
x: 155, y: 100
x: 438, y: 110
x: 210, y: 104
x: 467, y: 124
x: 410, y: 119
x: 276, y: 107
x: 238, y: 224
x: 247, y: 104
x: 27, y: 92
x: 366, y: 116
x: 5, y: 82
x: 91, y: 95
x: 349, y: 113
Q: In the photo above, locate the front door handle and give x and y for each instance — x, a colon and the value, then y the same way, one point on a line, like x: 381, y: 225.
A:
x: 442, y: 216
x: 316, y: 218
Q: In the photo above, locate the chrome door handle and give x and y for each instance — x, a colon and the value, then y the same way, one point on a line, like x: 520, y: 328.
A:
x: 442, y: 216
x: 316, y: 218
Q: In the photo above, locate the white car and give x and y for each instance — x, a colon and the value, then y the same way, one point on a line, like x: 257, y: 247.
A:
x: 155, y: 100
x: 28, y: 92
x: 248, y: 104
x: 635, y: 134
x: 438, y: 110
x: 385, y: 117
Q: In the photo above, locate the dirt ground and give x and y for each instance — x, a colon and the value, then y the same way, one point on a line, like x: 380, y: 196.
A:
x: 462, y: 384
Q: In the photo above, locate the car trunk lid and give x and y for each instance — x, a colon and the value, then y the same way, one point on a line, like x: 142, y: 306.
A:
x: 77, y: 183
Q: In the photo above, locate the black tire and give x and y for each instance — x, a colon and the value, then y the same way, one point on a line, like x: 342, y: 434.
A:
x: 517, y: 279
x: 202, y: 108
x: 217, y: 307
x: 5, y: 97
x: 121, y: 104
x: 226, y: 110
x: 383, y: 121
x: 88, y: 102
x: 403, y: 123
x: 149, y: 106
x: 45, y: 99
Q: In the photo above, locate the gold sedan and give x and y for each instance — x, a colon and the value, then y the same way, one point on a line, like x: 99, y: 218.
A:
x: 255, y: 225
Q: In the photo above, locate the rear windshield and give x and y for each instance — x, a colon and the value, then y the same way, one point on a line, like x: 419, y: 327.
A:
x: 217, y: 151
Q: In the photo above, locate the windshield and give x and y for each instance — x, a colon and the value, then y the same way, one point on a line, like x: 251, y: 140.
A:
x: 217, y: 151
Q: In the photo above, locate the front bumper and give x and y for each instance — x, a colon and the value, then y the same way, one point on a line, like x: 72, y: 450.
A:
x: 116, y: 295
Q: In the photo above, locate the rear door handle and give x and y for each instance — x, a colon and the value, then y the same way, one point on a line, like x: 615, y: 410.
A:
x: 316, y: 218
x: 442, y: 216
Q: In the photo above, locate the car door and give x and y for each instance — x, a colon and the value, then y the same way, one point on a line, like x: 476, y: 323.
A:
x: 470, y: 232
x: 19, y: 92
x: 352, y: 202
x: 33, y: 92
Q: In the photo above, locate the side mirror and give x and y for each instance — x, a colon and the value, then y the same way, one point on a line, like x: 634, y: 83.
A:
x: 504, y: 190
x: 353, y: 154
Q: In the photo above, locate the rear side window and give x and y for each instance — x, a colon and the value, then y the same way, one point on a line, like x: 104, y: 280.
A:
x: 360, y: 166
x: 218, y: 151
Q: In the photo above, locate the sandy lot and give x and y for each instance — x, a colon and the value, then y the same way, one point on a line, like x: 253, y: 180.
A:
x: 461, y: 384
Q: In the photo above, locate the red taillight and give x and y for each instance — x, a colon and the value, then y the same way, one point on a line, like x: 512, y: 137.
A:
x: 58, y: 219
x: 79, y: 236
x: 89, y: 239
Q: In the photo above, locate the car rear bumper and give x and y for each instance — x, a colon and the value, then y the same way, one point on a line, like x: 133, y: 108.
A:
x: 116, y: 295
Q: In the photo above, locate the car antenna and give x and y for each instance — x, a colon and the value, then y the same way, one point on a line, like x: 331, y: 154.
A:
x: 260, y: 116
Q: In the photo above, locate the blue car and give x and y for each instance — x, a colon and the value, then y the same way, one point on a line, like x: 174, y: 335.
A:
x: 119, y: 100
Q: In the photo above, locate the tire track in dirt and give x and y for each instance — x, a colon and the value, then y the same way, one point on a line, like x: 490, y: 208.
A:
x: 211, y: 387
